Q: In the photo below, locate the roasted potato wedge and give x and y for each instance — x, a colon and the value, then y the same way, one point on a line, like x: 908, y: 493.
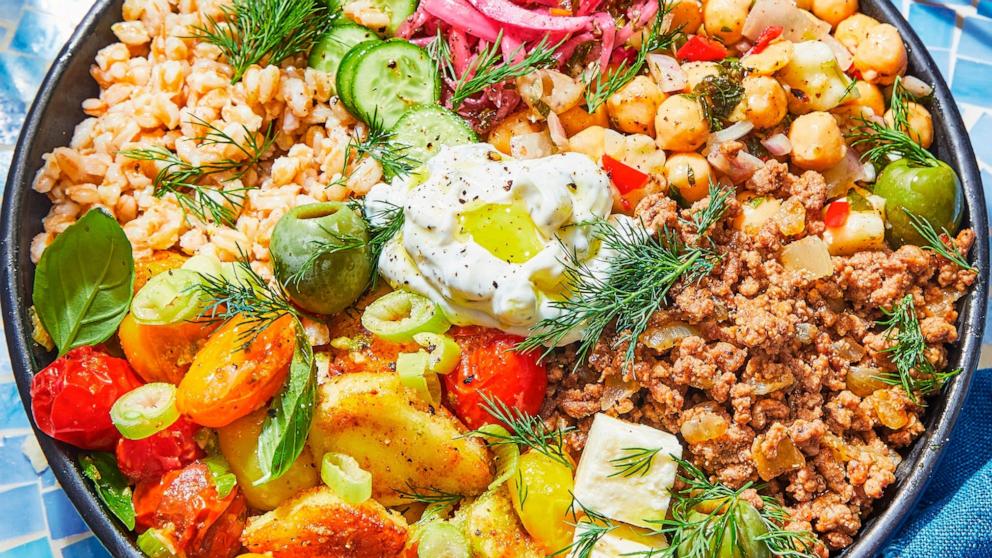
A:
x: 397, y: 437
x: 493, y: 529
x: 318, y: 524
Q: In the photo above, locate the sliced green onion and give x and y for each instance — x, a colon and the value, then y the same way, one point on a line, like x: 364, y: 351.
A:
x: 507, y: 455
x: 442, y: 540
x: 145, y: 411
x: 412, y: 369
x: 443, y: 352
x: 168, y: 298
x: 221, y: 475
x: 346, y: 477
x: 400, y: 315
x: 155, y: 543
x: 203, y: 263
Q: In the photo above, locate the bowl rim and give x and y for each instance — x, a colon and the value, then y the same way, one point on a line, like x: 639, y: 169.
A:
x: 920, y: 461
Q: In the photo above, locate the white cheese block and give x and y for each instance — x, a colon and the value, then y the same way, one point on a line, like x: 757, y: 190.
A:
x: 620, y: 542
x: 635, y: 499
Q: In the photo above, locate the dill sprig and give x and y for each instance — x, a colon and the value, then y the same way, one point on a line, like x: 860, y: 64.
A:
x: 440, y: 52
x: 320, y: 248
x: 642, y: 269
x: 590, y: 527
x: 245, y: 294
x: 935, y: 241
x: 715, y: 208
x: 264, y: 31
x: 601, y: 85
x: 428, y: 495
x: 380, y: 145
x: 908, y: 353
x: 524, y: 430
x: 634, y: 462
x: 489, y: 67
x: 884, y: 143
x: 384, y: 221
x: 719, y: 94
x: 184, y: 179
x: 704, y: 514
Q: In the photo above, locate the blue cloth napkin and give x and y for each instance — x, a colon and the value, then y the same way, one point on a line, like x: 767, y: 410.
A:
x: 954, y: 516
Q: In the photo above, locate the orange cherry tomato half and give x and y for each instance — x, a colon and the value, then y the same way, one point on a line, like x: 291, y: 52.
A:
x: 185, y: 504
x: 162, y: 353
x: 227, y: 380
x: 490, y: 366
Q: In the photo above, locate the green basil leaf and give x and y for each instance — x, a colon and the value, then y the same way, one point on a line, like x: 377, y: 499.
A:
x: 220, y: 473
x: 111, y: 485
x: 84, y: 282
x: 284, y: 432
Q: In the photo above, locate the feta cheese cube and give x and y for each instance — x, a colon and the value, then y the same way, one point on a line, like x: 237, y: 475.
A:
x: 600, y: 484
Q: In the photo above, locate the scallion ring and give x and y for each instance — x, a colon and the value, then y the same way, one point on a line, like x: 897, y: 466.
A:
x: 346, y: 477
x: 168, y: 298
x: 413, y: 371
x: 442, y: 351
x: 442, y: 540
x: 400, y: 315
x: 145, y: 411
x: 507, y: 455
x: 154, y: 543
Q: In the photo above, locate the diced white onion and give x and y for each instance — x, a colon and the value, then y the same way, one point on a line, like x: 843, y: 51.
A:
x: 557, y: 131
x: 731, y: 133
x: 777, y: 145
x: 844, y: 57
x: 868, y: 173
x: 808, y: 254
x: 916, y: 86
x: 743, y: 166
x: 531, y: 146
x: 667, y: 73
x: 798, y: 25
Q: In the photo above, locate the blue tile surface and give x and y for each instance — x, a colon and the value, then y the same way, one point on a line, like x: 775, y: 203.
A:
x: 15, y: 467
x: 976, y: 39
x: 24, y: 504
x: 63, y: 519
x: 39, y: 548
x: 934, y: 24
x: 11, y: 409
x: 87, y: 548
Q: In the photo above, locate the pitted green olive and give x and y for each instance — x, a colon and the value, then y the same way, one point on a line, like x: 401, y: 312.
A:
x: 320, y: 255
x: 932, y: 192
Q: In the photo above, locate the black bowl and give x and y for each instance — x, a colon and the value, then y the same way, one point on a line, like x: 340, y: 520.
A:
x: 56, y: 112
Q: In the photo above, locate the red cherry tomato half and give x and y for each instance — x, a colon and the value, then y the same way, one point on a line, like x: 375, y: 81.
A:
x: 625, y: 177
x: 701, y: 49
x: 152, y: 457
x: 490, y: 366
x: 836, y: 213
x: 185, y: 503
x: 72, y: 397
x: 766, y: 37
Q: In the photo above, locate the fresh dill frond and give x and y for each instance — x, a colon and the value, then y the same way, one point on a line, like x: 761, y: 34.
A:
x: 908, y: 353
x: 524, y: 430
x: 715, y: 209
x: 264, y: 31
x: 440, y: 52
x: 719, y: 94
x: 884, y: 143
x: 522, y: 489
x: 642, y: 269
x: 379, y: 144
x: 428, y: 495
x: 935, y: 242
x: 244, y: 294
x: 634, y: 462
x: 320, y: 248
x: 705, y: 514
x: 383, y: 225
x: 600, y: 84
x: 489, y: 67
x: 590, y: 527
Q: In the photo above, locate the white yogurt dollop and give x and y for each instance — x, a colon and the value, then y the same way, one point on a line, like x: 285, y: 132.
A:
x: 484, y: 235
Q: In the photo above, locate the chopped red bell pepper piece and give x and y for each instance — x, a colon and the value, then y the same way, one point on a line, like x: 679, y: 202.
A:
x: 836, y: 213
x: 701, y: 49
x: 766, y: 37
x: 625, y: 177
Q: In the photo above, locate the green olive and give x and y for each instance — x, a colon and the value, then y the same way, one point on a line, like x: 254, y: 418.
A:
x: 312, y: 260
x: 934, y: 193
x: 749, y: 527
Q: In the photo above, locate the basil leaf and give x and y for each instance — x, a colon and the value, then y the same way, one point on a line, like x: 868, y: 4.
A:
x: 111, y: 485
x: 221, y: 475
x: 284, y: 432
x: 84, y: 282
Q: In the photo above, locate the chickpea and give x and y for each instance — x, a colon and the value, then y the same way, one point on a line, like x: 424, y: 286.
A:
x: 516, y: 124
x: 594, y: 141
x: 724, y: 19
x: 680, y: 124
x: 775, y: 57
x: 834, y: 11
x: 764, y: 102
x: 853, y: 30
x: 633, y: 107
x: 690, y: 173
x: 686, y: 13
x: 920, y: 123
x: 881, y: 56
x: 696, y: 72
x: 817, y: 143
x: 868, y: 95
x: 576, y: 119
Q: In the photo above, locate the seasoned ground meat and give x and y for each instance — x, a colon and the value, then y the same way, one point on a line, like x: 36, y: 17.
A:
x: 770, y: 360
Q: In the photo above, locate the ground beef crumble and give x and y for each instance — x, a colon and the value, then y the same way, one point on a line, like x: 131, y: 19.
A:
x: 771, y: 359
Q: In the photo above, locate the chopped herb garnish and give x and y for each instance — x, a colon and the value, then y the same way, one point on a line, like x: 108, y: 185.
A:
x: 384, y: 224
x: 428, y: 495
x: 635, y: 462
x: 590, y: 527
x: 379, y: 144
x: 525, y: 430
x: 886, y: 143
x: 719, y: 94
x: 936, y: 243
x: 490, y: 68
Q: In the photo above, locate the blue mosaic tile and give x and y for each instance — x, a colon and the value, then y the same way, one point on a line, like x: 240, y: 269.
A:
x: 24, y: 72
x: 976, y: 39
x: 934, y: 24
x: 11, y: 409
x: 40, y: 34
x: 9, y: 9
x: 39, y: 548
x: 87, y: 548
x: 970, y: 83
x: 983, y: 149
x: 63, y: 519
x: 941, y: 57
x: 24, y: 503
x: 14, y: 464
x: 985, y: 8
x: 5, y: 158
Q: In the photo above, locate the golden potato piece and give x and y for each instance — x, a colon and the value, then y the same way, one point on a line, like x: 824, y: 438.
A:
x: 318, y: 524
x: 493, y: 529
x: 397, y: 437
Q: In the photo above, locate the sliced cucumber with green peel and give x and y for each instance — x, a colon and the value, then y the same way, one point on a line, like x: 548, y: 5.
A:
x: 387, y: 79
x: 346, y: 72
x: 328, y: 51
x: 397, y: 10
x: 427, y: 128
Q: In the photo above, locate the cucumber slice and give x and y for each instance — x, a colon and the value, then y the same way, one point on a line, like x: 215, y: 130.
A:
x: 389, y: 78
x: 398, y: 11
x: 346, y: 72
x: 427, y: 128
x: 327, y: 53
